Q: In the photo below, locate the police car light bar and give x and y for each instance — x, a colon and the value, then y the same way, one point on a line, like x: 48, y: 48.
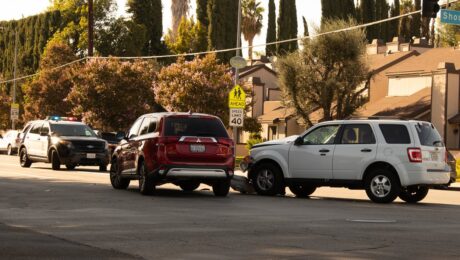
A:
x: 61, y: 118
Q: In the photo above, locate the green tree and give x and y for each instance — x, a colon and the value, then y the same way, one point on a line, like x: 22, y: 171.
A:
x: 305, y: 27
x: 202, y: 12
x: 417, y: 20
x: 394, y: 24
x: 337, y: 9
x: 223, y: 17
x: 75, y: 21
x: 270, y: 50
x: 406, y: 23
x: 121, y: 38
x: 327, y: 73
x: 191, y: 37
x: 201, y: 85
x: 149, y: 13
x: 179, y: 10
x: 287, y: 26
x: 46, y: 94
x: 381, y: 13
x: 251, y: 21
x: 111, y: 94
x: 367, y: 13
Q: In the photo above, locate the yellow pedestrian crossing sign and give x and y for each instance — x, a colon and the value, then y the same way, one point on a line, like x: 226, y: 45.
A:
x: 237, y: 98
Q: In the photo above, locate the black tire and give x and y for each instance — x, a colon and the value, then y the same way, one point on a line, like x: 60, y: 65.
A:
x: 189, y: 185
x: 221, y: 188
x: 70, y: 166
x: 382, y: 185
x: 146, y: 184
x: 24, y: 158
x: 103, y: 168
x: 9, y: 150
x: 413, y: 194
x: 118, y: 182
x: 267, y: 180
x: 55, y: 162
x: 302, y: 190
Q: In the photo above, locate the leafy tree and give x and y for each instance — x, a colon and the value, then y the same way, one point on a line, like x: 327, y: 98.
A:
x: 223, y: 17
x: 46, y: 93
x: 75, y: 19
x: 327, y: 73
x: 149, y: 13
x: 121, y: 38
x: 406, y: 23
x: 201, y: 85
x: 202, y: 12
x: 287, y: 26
x: 270, y: 50
x: 417, y: 19
x: 111, y: 94
x: 191, y: 37
x: 251, y: 21
x: 337, y: 9
x: 179, y: 10
x: 5, y: 104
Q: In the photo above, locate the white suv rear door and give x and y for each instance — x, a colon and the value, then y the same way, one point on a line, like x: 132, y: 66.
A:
x: 312, y: 159
x: 432, y: 146
x: 356, y: 148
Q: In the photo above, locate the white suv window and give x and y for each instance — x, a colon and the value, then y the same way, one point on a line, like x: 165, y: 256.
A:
x: 322, y: 135
x: 395, y: 133
x: 358, y: 134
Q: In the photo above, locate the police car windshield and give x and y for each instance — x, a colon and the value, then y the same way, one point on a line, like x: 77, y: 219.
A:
x: 72, y: 130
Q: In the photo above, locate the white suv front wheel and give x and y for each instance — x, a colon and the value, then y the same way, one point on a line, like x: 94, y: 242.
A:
x: 267, y: 179
x: 382, y: 186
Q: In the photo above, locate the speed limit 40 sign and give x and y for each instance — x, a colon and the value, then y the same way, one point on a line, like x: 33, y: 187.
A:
x: 236, y: 117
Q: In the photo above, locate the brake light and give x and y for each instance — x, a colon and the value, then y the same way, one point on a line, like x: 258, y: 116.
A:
x: 415, y: 155
x: 226, y: 147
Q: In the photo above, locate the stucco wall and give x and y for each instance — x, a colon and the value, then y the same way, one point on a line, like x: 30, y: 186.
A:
x: 438, y: 98
x: 407, y: 86
x: 453, y: 95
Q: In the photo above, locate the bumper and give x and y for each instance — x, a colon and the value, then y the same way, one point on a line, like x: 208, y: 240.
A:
x: 183, y: 173
x: 84, y: 159
x: 429, y: 177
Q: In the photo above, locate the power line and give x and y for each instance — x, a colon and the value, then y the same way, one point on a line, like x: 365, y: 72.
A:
x: 218, y: 51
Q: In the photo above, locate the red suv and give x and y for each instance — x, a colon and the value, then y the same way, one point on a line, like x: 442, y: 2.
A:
x: 185, y: 149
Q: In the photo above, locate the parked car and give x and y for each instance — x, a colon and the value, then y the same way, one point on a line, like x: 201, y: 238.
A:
x: 112, y: 138
x: 185, y: 149
x: 387, y: 158
x: 9, y: 142
x: 62, y: 141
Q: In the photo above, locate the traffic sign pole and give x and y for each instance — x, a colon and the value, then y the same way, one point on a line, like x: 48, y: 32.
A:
x: 238, y: 45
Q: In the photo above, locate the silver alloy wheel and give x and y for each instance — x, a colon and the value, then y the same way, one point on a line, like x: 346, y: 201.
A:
x: 380, y: 186
x: 265, y: 179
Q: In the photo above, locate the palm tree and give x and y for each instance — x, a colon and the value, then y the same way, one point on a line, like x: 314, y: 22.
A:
x: 251, y: 21
x: 179, y: 9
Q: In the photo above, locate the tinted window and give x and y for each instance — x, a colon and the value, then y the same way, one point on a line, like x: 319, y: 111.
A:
x: 322, y: 135
x: 133, y: 132
x: 191, y: 126
x: 36, y: 128
x: 72, y: 130
x: 358, y: 134
x: 395, y: 134
x: 428, y: 135
x: 149, y: 125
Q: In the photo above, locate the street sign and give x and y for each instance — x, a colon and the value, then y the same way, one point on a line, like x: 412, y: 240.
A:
x: 237, y: 98
x: 238, y: 62
x: 450, y: 16
x: 14, y: 111
x: 236, y: 117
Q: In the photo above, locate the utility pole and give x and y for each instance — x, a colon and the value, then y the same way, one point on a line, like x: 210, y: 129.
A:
x: 13, y: 120
x: 90, y: 28
x: 237, y: 75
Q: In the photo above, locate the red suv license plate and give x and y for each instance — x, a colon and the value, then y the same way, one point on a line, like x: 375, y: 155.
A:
x: 197, y: 148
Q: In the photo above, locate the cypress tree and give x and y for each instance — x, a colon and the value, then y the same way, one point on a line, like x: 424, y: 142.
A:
x: 416, y: 26
x: 149, y: 13
x: 305, y: 27
x: 287, y: 26
x: 381, y: 12
x: 338, y: 9
x: 270, y: 50
x: 202, y: 12
x: 223, y: 17
x: 367, y: 10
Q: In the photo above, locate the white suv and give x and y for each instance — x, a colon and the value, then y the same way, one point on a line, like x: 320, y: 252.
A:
x: 387, y: 158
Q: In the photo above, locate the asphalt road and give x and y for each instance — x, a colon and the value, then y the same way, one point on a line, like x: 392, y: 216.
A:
x: 76, y: 214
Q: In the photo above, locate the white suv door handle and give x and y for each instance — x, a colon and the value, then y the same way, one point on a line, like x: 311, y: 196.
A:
x: 324, y: 151
x: 367, y: 150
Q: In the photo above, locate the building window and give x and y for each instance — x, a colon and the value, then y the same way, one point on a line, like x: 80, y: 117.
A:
x: 272, y: 132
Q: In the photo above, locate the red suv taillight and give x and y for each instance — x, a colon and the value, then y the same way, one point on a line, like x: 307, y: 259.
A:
x: 226, y: 147
x: 415, y: 155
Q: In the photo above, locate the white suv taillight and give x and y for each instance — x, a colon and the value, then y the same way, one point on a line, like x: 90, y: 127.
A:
x: 415, y: 155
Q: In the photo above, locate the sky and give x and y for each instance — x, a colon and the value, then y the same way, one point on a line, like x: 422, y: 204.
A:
x: 16, y: 9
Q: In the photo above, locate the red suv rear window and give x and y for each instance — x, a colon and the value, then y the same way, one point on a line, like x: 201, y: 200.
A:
x: 194, y: 126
